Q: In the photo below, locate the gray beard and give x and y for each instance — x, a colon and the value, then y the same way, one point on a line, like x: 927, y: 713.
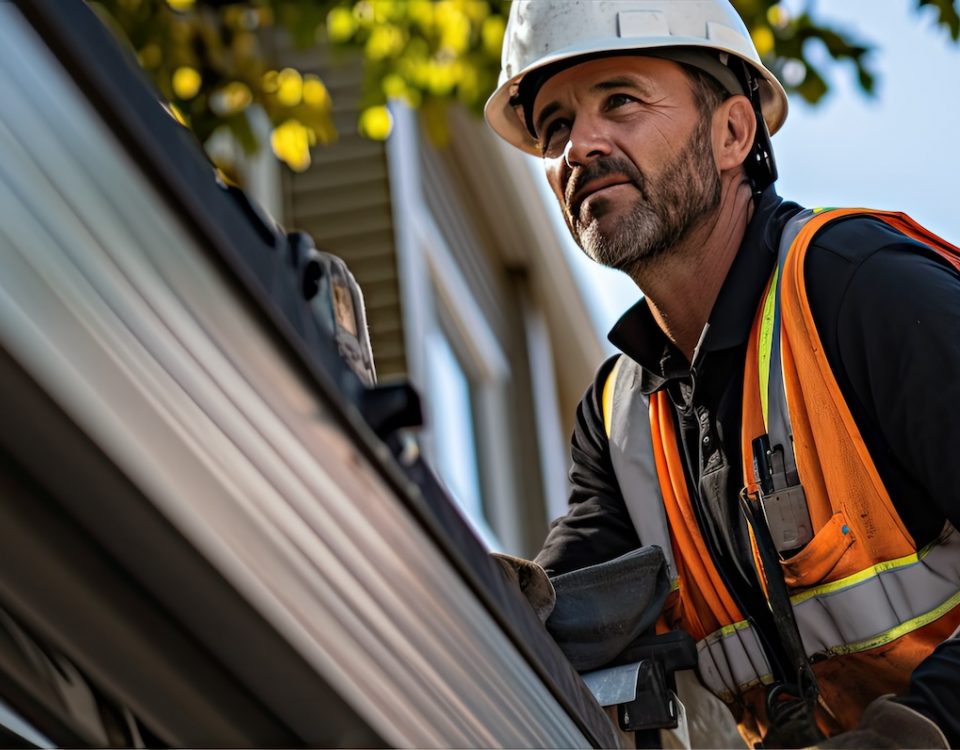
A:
x: 662, y: 215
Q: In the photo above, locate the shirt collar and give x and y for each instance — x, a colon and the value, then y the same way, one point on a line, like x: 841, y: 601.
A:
x: 638, y: 336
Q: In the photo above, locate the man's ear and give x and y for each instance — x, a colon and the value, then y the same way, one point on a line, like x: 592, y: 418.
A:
x: 734, y: 129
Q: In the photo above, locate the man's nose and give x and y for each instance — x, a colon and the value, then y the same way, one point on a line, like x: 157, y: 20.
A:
x: 588, y: 141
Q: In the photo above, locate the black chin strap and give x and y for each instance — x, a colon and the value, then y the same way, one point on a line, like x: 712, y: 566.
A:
x: 760, y: 166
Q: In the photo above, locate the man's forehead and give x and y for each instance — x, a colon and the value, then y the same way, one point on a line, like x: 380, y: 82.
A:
x: 645, y: 73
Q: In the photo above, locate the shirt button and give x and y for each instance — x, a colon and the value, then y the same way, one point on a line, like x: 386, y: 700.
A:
x: 707, y: 442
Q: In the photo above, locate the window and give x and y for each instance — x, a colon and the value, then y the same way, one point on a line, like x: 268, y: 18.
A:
x: 454, y: 431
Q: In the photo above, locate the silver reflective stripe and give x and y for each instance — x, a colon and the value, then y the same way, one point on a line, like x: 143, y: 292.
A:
x: 778, y: 417
x: 862, y: 611
x: 631, y: 452
x: 731, y: 660
x: 880, y: 604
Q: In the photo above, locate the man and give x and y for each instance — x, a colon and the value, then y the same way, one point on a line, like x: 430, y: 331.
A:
x: 783, y: 418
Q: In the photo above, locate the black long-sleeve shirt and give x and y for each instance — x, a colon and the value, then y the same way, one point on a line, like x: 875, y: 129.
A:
x: 889, y: 321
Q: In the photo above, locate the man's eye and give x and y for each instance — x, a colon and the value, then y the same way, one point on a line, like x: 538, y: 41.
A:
x: 618, y: 100
x: 554, y: 138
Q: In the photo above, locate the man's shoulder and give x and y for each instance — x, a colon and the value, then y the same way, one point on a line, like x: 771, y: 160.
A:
x: 853, y: 239
x: 603, y: 378
x: 594, y: 413
x: 864, y: 248
x: 856, y: 266
x: 603, y: 372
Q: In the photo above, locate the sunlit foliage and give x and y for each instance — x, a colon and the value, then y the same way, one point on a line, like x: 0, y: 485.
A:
x: 210, y: 59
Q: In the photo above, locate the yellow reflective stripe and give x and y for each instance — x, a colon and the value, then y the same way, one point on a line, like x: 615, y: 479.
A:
x: 915, y: 623
x: 862, y: 575
x: 765, y: 345
x: 675, y: 584
x: 731, y: 660
x: 866, y: 643
x: 607, y: 398
x: 728, y: 630
x: 875, y: 641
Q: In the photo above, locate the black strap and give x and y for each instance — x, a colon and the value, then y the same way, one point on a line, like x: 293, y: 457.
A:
x: 805, y: 691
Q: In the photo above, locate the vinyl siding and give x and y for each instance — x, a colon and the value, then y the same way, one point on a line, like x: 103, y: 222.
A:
x: 343, y: 201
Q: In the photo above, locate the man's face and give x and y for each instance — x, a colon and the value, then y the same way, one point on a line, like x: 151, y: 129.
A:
x: 643, y: 170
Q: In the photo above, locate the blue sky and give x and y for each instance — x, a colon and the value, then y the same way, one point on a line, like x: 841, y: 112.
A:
x: 898, y: 150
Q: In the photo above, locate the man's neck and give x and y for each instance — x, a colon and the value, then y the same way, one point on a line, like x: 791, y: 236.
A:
x: 682, y: 285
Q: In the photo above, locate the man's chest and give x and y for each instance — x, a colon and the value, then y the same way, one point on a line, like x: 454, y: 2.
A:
x: 707, y: 405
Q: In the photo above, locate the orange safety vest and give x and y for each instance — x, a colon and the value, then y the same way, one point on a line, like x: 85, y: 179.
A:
x: 869, y: 605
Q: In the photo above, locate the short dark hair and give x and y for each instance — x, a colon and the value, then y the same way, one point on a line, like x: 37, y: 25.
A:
x: 707, y: 90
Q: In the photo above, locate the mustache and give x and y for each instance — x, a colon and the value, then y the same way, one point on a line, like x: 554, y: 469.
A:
x: 580, y: 176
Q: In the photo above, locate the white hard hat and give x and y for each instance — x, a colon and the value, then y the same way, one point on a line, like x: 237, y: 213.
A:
x: 545, y: 32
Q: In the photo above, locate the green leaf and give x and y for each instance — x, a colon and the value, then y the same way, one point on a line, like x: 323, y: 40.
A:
x: 948, y: 15
x: 814, y: 87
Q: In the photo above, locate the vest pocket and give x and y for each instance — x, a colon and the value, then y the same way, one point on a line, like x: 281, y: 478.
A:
x: 821, y: 556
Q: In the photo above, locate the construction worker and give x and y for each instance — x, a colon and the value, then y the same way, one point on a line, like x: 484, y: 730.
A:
x: 783, y: 418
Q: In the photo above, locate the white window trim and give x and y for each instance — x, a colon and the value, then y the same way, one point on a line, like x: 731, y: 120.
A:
x: 553, y: 451
x: 403, y: 166
x: 486, y: 358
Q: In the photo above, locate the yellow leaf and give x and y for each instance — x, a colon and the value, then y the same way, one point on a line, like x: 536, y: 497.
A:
x: 289, y: 87
x: 393, y: 86
x: 384, y: 10
x: 290, y: 142
x: 442, y: 77
x: 778, y: 16
x: 376, y: 123
x: 186, y: 82
x: 764, y: 40
x: 341, y: 24
x: 454, y: 28
x: 492, y: 34
x: 477, y: 10
x: 421, y: 12
x: 385, y: 41
x: 181, y: 4
x: 363, y: 12
x: 268, y: 82
x: 315, y: 94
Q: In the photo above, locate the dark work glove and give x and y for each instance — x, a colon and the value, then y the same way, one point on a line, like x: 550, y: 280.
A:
x: 886, y: 724
x: 532, y: 581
